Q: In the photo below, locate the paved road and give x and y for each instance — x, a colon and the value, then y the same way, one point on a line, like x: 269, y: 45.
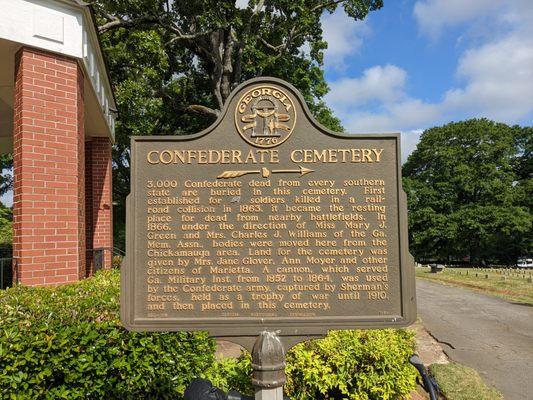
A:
x: 489, y: 334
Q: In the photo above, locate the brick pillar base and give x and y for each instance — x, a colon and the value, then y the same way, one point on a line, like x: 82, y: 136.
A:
x: 48, y: 159
x: 99, y: 200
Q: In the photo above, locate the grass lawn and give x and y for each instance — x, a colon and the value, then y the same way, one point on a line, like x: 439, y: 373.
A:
x: 513, y: 285
x: 458, y: 382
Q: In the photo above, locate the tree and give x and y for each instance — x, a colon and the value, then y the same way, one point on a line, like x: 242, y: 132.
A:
x: 6, y: 176
x: 230, y: 44
x: 469, y: 192
x: 174, y: 63
x: 6, y: 234
x: 6, y: 215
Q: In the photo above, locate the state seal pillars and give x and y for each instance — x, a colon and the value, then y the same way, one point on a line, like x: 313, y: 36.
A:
x: 268, y: 364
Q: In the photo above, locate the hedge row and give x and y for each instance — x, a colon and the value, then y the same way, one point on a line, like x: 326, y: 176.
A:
x: 67, y: 343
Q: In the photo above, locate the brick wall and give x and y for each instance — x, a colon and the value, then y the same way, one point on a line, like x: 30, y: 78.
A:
x: 48, y: 139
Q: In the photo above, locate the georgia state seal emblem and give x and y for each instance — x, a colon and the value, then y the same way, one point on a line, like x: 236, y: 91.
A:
x: 265, y: 116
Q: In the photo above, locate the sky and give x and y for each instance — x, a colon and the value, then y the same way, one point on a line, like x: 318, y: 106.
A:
x: 416, y: 64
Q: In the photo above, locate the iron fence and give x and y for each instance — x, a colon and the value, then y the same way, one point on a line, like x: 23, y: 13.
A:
x: 6, y: 267
x: 98, y: 256
x: 6, y: 273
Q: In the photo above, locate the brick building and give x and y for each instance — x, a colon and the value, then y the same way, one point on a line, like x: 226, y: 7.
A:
x: 57, y: 118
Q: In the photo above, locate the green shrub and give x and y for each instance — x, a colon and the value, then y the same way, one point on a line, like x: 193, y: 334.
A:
x: 67, y: 343
x: 232, y: 373
x: 358, y: 365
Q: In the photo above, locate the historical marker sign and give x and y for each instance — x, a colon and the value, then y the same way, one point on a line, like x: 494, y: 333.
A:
x: 266, y: 220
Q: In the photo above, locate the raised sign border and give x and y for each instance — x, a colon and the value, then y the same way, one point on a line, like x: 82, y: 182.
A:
x: 238, y: 329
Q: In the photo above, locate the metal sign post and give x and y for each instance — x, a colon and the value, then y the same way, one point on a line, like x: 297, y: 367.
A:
x: 268, y: 364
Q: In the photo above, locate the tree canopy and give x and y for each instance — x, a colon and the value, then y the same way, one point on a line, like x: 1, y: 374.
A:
x: 6, y: 179
x: 469, y: 187
x: 174, y: 63
x: 6, y: 234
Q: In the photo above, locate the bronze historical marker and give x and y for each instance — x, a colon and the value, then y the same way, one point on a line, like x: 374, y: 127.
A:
x: 267, y: 220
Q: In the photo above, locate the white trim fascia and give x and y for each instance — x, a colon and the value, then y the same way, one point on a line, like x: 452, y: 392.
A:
x: 65, y: 27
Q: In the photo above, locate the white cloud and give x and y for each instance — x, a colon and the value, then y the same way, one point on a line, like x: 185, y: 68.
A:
x: 242, y: 4
x: 381, y: 83
x: 499, y: 80
x: 344, y: 37
x: 384, y: 86
x: 368, y: 122
x: 415, y: 112
x: 404, y: 115
x: 434, y: 15
x: 518, y: 13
